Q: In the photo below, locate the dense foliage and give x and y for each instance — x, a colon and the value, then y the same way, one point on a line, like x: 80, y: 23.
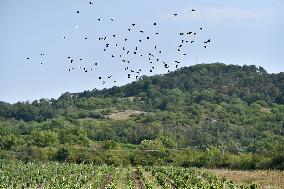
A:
x: 204, y: 115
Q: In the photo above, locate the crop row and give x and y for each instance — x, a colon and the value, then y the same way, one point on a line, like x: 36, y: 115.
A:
x: 88, y: 176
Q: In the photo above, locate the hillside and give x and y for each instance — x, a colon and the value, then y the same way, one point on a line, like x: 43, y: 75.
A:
x: 203, y: 115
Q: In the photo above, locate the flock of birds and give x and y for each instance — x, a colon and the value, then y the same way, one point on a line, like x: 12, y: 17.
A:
x: 117, y: 45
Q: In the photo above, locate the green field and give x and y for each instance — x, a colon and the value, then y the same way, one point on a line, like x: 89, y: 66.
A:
x: 55, y: 175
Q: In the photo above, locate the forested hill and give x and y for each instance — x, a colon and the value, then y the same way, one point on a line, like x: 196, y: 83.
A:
x: 249, y: 83
x: 214, y: 83
x: 220, y: 115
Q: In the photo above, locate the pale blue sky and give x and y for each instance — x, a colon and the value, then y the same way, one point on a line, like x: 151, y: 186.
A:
x: 242, y: 32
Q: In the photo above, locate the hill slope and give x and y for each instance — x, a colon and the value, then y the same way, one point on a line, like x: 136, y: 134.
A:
x: 216, y: 107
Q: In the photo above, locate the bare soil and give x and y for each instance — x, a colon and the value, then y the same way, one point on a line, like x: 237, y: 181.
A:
x: 138, y: 182
x: 107, y: 182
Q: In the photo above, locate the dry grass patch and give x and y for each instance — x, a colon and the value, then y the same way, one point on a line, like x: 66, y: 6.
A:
x: 124, y: 115
x: 266, y: 179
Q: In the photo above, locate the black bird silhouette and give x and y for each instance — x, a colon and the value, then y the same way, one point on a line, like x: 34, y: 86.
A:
x: 91, y: 3
x: 175, y: 14
x: 208, y: 41
x: 155, y: 24
x: 78, y: 12
x: 133, y: 24
x: 99, y: 19
x: 28, y: 58
x: 112, y: 19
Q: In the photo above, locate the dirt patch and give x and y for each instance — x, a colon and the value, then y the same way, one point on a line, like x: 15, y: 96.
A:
x: 173, y: 185
x: 107, y: 182
x: 137, y: 180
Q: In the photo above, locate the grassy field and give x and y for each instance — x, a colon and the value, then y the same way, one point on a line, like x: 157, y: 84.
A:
x: 267, y: 179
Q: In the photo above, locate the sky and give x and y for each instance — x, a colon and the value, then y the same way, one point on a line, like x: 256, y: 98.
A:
x: 241, y: 32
